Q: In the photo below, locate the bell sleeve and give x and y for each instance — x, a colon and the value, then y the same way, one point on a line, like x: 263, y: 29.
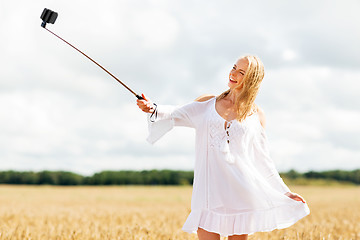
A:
x: 169, y: 116
x: 265, y: 164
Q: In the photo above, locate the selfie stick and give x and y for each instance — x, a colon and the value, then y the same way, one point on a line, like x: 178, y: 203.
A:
x: 49, y: 16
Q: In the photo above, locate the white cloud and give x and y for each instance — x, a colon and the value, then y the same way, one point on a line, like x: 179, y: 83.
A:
x: 155, y: 30
x: 289, y: 55
x: 59, y: 111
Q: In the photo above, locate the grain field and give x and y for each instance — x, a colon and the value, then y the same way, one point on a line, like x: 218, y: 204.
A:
x: 158, y: 213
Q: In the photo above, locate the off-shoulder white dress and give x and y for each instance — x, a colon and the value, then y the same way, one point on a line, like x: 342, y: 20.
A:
x: 236, y: 189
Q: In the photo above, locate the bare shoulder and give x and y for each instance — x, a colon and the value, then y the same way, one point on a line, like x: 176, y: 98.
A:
x: 261, y: 114
x: 204, y: 98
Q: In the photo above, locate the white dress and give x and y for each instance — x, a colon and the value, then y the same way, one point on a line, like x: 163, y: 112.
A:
x: 237, y: 189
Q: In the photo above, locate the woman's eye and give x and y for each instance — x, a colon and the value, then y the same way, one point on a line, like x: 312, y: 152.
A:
x: 242, y: 73
x: 234, y: 68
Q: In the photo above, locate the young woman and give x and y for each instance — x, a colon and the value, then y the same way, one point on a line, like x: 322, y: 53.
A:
x: 237, y: 190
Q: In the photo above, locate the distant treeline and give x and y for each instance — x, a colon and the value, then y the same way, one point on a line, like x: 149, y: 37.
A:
x: 335, y: 175
x: 146, y: 177
x: 150, y: 177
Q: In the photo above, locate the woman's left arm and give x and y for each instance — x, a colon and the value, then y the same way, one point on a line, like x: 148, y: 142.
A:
x: 264, y: 163
x: 268, y: 166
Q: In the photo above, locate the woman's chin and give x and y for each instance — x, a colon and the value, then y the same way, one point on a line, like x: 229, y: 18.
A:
x: 231, y: 85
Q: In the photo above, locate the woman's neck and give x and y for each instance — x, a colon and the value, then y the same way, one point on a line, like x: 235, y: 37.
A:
x: 232, y: 96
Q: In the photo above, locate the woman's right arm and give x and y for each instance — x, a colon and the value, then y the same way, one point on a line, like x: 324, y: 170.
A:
x: 167, y: 116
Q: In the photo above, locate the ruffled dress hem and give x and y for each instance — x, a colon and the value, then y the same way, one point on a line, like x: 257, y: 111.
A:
x: 246, y: 223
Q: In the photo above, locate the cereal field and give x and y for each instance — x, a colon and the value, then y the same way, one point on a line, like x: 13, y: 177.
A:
x: 153, y: 213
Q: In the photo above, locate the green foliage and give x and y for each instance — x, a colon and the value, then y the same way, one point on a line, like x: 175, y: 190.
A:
x: 163, y: 177
x: 146, y: 177
x: 39, y: 178
x: 323, y: 178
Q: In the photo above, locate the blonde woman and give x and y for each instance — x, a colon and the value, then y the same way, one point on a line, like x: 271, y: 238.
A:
x: 237, y: 190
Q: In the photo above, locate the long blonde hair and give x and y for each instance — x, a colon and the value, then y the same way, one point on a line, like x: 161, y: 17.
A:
x: 250, y: 87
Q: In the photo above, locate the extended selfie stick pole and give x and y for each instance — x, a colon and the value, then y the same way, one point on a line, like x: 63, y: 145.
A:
x: 49, y: 16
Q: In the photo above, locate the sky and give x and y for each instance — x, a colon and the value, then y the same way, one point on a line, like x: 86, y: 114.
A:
x: 59, y: 111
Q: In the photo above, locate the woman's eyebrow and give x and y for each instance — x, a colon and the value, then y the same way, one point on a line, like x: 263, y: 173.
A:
x: 239, y: 69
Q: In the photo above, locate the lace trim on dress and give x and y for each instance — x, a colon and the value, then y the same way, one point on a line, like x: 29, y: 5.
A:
x: 225, y: 139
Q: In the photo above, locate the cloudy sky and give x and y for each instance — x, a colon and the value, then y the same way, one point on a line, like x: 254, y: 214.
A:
x: 61, y: 112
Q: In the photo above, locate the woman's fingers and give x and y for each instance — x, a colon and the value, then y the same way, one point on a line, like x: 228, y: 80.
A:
x: 145, y: 104
x: 299, y: 198
x: 144, y: 100
x: 295, y: 196
x: 144, y: 107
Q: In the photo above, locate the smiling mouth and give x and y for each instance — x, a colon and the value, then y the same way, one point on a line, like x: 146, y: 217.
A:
x: 232, y: 80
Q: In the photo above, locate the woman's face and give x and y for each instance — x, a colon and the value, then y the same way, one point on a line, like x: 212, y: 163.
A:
x: 237, y: 73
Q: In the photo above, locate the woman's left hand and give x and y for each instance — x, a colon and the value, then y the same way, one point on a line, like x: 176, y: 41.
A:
x: 295, y: 196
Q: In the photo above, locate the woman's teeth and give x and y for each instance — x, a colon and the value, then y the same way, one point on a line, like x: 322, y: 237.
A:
x: 232, y: 81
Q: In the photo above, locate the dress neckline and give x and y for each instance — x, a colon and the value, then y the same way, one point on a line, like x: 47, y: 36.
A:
x: 232, y: 120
